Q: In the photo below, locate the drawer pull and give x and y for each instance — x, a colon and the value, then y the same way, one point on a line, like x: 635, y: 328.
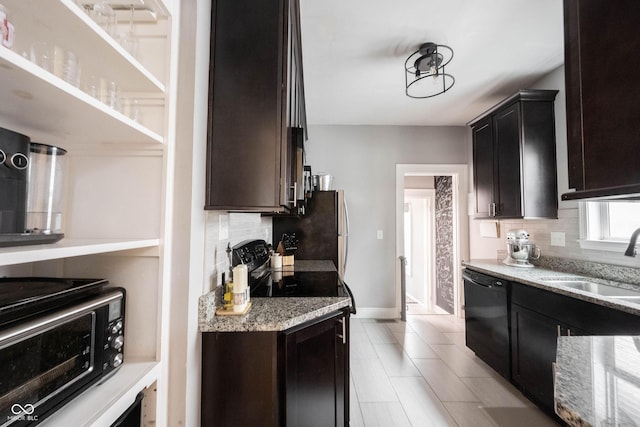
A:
x: 344, y: 331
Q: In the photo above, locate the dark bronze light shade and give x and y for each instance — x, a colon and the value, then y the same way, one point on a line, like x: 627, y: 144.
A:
x: 425, y: 74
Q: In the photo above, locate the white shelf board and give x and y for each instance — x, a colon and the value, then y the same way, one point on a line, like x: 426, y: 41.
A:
x: 43, y: 106
x: 64, y: 23
x: 103, y: 403
x: 66, y: 248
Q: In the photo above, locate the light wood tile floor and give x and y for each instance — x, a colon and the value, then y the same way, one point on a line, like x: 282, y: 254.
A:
x: 420, y: 373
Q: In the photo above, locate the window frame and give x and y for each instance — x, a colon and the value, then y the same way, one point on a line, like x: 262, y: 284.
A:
x: 596, y: 221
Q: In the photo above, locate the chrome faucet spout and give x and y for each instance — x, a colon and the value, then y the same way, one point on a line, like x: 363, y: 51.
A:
x: 631, y: 249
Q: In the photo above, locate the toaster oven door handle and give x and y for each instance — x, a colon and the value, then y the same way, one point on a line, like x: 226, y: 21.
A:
x: 23, y: 330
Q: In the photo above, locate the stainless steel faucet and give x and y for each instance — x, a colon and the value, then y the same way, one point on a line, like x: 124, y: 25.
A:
x: 631, y: 249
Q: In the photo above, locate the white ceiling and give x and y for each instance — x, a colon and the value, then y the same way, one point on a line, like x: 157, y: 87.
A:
x: 354, y: 53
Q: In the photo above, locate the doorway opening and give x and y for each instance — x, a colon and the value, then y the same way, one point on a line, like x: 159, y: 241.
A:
x: 419, y: 244
x: 432, y: 237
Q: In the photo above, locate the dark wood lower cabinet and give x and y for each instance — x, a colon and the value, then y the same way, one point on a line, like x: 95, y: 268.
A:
x: 538, y: 317
x: 298, y: 377
x: 533, y: 353
x: 317, y: 375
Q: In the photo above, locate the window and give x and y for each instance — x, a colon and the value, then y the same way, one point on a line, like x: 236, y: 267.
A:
x: 608, y: 225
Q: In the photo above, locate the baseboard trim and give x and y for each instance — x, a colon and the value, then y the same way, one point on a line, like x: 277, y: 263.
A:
x: 376, y: 313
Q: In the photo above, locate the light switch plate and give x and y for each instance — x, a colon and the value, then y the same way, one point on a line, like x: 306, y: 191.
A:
x: 380, y: 235
x: 557, y: 238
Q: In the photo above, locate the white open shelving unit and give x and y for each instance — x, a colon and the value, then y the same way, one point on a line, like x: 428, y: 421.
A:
x: 117, y: 183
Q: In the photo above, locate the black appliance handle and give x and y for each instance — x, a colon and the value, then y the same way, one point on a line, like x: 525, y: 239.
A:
x: 352, y: 309
x: 497, y: 284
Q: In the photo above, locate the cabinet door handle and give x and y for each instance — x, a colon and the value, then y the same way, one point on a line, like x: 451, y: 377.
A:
x: 492, y: 209
x: 294, y: 188
x: 344, y: 331
x: 559, y: 331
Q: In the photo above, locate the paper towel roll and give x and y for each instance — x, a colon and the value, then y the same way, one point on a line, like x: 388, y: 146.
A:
x: 240, y: 278
x: 276, y: 261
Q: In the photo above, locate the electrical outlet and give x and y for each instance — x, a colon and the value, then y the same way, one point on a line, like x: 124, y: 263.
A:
x: 557, y: 238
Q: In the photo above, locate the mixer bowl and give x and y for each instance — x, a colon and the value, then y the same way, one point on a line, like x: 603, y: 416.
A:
x: 523, y: 252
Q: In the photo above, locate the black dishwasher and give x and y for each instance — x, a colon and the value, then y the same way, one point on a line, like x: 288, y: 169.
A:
x: 487, y: 319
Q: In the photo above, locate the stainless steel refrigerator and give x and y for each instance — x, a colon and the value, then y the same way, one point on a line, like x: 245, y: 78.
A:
x: 323, y: 231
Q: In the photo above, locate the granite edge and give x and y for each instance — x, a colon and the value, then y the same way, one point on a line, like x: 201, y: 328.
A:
x: 570, y: 417
x: 267, y: 314
x: 527, y: 276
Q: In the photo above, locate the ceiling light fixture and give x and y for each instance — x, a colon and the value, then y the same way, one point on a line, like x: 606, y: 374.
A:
x: 425, y: 75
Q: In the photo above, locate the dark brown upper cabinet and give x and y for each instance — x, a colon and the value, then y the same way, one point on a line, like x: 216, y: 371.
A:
x: 602, y: 78
x: 514, y: 158
x: 257, y: 119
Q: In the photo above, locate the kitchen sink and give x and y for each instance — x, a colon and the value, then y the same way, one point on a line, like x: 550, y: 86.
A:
x: 598, y: 288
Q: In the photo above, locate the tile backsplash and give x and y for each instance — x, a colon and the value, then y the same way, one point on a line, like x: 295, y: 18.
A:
x: 567, y: 223
x: 229, y: 228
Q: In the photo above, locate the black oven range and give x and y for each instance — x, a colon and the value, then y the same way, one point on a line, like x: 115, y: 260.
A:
x: 304, y: 279
x: 57, y: 338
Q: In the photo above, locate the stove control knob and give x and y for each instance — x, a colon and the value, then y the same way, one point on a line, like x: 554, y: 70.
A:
x: 116, y: 327
x: 3, y: 157
x: 117, y: 342
x: 19, y: 161
x: 116, y: 360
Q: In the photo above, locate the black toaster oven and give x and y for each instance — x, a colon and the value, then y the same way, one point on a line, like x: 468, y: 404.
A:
x: 57, y: 338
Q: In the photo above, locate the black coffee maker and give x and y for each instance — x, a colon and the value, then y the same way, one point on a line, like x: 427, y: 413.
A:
x: 28, y: 191
x: 14, y: 161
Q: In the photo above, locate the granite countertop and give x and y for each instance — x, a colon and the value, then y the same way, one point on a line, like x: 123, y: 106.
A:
x: 271, y: 314
x: 268, y: 314
x: 304, y: 265
x: 597, y: 380
x: 536, y: 277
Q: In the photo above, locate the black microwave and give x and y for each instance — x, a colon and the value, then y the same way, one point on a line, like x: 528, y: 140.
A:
x: 50, y: 357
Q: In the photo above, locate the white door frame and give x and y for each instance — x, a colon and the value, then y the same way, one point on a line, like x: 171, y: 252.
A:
x: 459, y: 174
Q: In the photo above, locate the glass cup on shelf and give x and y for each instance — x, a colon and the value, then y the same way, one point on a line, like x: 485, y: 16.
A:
x: 131, y: 109
x: 104, y: 15
x: 136, y: 111
x: 41, y: 55
x: 129, y: 42
x: 113, y: 96
x: 128, y: 39
x: 96, y: 87
x: 65, y: 64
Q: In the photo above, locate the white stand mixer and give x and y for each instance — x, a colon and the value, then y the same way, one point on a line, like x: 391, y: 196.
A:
x: 520, y: 250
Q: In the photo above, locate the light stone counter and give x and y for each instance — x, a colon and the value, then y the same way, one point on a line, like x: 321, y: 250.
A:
x: 304, y: 265
x: 535, y: 277
x: 268, y: 314
x: 271, y: 314
x: 597, y: 380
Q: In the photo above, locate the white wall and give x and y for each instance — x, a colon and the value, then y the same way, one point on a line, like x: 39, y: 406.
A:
x: 362, y: 160
x: 567, y: 222
x: 187, y: 215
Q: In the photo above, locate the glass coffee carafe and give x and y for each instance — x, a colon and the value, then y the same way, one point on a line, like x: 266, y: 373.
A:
x: 45, y: 195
